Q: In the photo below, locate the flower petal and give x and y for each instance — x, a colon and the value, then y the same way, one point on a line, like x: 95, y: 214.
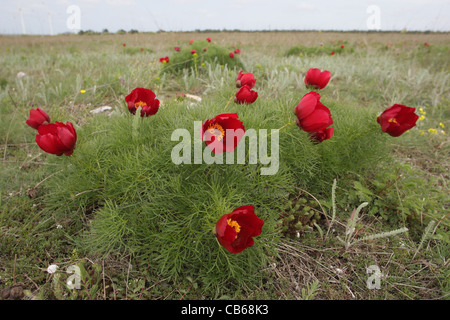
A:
x: 307, y: 104
x: 319, y: 119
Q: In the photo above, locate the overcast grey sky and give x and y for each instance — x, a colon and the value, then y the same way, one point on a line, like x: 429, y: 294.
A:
x: 51, y: 16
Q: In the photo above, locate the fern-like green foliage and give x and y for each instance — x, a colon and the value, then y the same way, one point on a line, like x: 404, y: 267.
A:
x: 122, y: 183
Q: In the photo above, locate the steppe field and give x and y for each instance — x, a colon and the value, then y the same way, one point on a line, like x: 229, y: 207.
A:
x: 362, y: 215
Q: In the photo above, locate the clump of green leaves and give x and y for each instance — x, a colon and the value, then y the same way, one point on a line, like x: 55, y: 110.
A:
x: 298, y: 215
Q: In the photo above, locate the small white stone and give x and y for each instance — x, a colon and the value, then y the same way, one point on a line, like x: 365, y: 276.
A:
x: 52, y: 268
x: 101, y: 109
x: 191, y: 96
x: 20, y: 75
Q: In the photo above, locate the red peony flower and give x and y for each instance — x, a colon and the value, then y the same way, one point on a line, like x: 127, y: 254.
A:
x: 204, y: 49
x: 342, y: 46
x: 142, y: 49
x: 223, y: 132
x: 231, y: 55
x: 312, y: 115
x: 396, y: 119
x: 191, y: 41
x: 123, y: 44
x: 37, y: 118
x: 316, y: 78
x: 235, y: 230
x: 426, y: 44
x: 332, y: 53
x: 321, y: 135
x: 57, y: 138
x: 208, y: 39
x: 243, y: 79
x: 164, y: 60
x: 193, y: 51
x: 177, y: 48
x: 245, y: 95
x: 144, y: 98
x: 237, y: 51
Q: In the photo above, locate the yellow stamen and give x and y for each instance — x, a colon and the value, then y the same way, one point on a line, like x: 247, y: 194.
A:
x: 234, y: 225
x: 139, y: 104
x: 393, y: 120
x: 217, y: 131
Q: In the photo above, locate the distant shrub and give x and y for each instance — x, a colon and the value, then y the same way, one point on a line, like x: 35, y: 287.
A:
x: 132, y: 51
x: 214, y: 54
x: 87, y: 32
x: 326, y: 49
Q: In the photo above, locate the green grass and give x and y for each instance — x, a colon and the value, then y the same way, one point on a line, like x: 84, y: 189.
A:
x: 141, y: 227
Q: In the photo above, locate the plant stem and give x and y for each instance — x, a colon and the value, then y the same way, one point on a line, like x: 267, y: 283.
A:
x: 278, y: 130
x: 228, y: 102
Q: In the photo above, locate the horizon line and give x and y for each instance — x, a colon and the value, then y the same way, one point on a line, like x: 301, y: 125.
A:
x: 134, y: 31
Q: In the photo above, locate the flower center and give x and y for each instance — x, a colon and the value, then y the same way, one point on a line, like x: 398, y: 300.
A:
x: 139, y: 104
x: 393, y: 120
x: 217, y: 131
x: 234, y: 225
